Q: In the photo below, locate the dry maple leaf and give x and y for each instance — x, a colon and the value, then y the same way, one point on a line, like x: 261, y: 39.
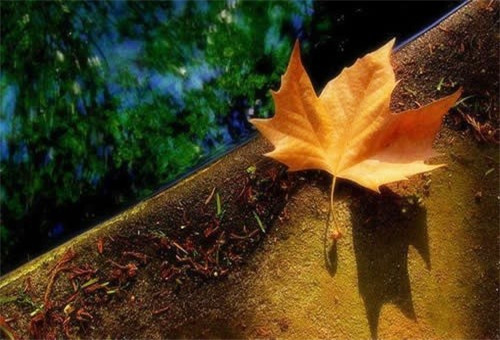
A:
x: 349, y: 130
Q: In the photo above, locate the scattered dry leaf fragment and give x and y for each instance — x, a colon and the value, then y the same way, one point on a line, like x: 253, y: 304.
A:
x: 100, y: 245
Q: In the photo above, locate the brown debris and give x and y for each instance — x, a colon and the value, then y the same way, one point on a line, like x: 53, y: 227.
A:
x: 6, y: 331
x: 483, y: 131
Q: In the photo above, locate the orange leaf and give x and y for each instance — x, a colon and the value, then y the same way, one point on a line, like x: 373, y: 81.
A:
x: 349, y: 130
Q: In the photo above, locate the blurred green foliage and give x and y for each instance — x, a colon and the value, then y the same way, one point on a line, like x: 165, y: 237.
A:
x: 117, y: 98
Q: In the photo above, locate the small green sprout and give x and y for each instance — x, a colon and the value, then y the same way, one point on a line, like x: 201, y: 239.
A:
x: 259, y: 222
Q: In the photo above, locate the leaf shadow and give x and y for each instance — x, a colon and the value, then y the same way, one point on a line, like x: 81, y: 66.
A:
x: 331, y: 257
x: 383, y: 228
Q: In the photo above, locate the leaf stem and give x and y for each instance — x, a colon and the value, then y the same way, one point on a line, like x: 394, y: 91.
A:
x: 336, y: 234
x: 331, y: 196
